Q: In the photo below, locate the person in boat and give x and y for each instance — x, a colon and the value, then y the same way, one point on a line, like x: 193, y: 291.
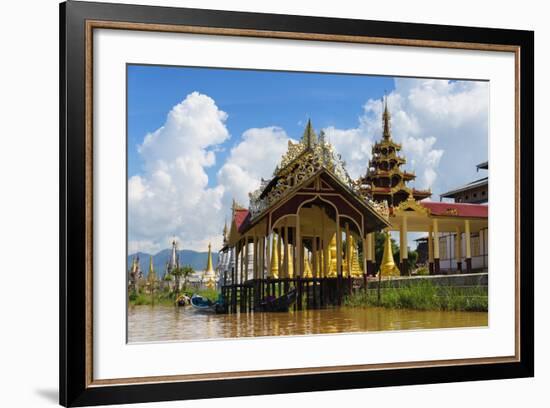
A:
x: 183, y: 300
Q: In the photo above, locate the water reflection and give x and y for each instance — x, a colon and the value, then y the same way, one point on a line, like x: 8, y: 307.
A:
x: 165, y: 323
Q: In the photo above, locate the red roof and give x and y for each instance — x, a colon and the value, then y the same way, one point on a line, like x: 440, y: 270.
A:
x: 457, y: 209
x: 240, y: 216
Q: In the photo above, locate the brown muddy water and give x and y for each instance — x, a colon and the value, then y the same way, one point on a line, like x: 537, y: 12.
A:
x: 168, y: 323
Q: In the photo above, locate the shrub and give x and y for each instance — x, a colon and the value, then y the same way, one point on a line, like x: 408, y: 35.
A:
x: 424, y: 295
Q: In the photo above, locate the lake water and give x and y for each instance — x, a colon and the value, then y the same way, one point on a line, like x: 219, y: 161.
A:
x: 168, y: 323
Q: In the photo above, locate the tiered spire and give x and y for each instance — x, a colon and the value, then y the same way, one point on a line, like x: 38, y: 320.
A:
x: 385, y: 180
x: 309, y: 138
x: 386, y: 118
x: 209, y: 277
x: 173, y: 262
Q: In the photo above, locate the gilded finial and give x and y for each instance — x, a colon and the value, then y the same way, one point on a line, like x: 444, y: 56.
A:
x: 386, y: 118
x: 309, y: 137
x: 209, y: 267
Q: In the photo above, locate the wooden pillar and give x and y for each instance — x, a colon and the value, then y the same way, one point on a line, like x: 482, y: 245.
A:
x: 431, y: 250
x: 338, y: 247
x: 255, y: 257
x: 325, y: 255
x: 369, y: 254
x: 366, y: 253
x: 237, y: 262
x: 293, y: 255
x: 404, y: 250
x: 262, y: 269
x: 246, y: 259
x: 458, y: 250
x: 373, y: 243
x: 234, y: 265
x: 339, y: 259
x: 243, y: 250
x: 348, y: 251
x: 323, y: 272
x: 279, y: 255
x: 314, y: 255
x: 268, y: 254
x: 468, y: 243
x: 482, y: 246
x: 436, y: 246
x: 286, y: 255
x: 298, y: 267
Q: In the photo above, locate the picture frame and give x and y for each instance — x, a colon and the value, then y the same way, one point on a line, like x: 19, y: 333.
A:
x: 78, y: 20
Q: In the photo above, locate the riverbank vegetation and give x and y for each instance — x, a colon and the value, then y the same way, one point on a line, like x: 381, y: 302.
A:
x: 167, y: 298
x: 423, y: 295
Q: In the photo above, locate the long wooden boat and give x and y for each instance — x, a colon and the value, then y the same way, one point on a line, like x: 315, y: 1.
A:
x: 200, y: 303
x: 280, y: 304
x: 206, y: 305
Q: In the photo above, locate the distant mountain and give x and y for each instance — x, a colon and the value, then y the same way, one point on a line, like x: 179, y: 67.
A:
x: 197, y: 260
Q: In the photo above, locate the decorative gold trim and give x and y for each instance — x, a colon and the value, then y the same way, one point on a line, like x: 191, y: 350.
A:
x: 298, y: 371
x: 239, y: 32
x: 517, y: 196
x: 89, y: 207
x: 93, y: 24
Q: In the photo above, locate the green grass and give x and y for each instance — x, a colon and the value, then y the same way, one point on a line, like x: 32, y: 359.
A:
x: 424, y: 296
x: 211, y: 294
x: 165, y: 298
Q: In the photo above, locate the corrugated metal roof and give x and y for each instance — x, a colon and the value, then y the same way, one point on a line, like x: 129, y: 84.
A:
x: 474, y: 184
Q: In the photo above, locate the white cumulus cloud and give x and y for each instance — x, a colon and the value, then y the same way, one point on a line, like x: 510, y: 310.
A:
x: 254, y: 158
x: 172, y: 196
x: 441, y: 124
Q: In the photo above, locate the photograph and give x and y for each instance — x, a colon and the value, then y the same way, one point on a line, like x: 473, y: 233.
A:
x: 287, y: 203
x: 274, y: 204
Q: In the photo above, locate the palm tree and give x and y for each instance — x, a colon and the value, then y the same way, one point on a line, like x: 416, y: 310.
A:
x: 182, y: 272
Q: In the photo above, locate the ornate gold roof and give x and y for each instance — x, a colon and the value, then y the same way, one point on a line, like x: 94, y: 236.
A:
x: 301, y: 161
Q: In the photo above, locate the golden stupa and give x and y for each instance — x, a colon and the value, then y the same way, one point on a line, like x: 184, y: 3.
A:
x: 209, y: 277
x: 388, y: 267
x: 278, y: 251
x: 356, y: 270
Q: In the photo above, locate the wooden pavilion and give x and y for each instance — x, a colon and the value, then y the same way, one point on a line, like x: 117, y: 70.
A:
x: 311, y: 227
x: 304, y: 228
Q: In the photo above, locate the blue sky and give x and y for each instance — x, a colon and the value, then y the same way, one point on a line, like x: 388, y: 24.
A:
x: 200, y: 137
x: 251, y: 98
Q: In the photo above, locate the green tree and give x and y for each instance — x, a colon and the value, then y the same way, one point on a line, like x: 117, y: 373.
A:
x: 184, y: 273
x: 412, y: 258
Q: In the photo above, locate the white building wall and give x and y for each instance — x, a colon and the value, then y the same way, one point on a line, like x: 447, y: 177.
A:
x: 479, y: 251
